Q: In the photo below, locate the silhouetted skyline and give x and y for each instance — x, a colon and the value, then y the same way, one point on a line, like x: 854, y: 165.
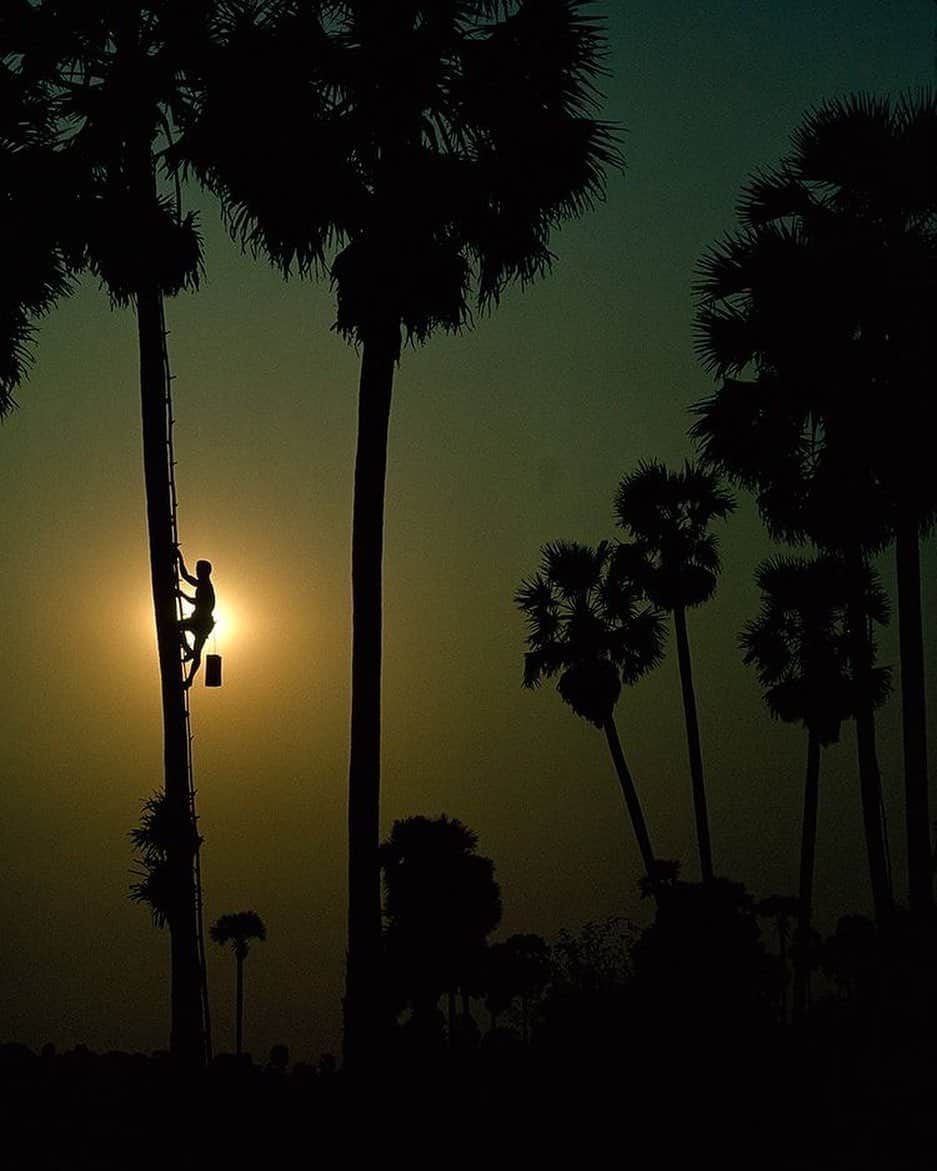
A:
x: 514, y: 434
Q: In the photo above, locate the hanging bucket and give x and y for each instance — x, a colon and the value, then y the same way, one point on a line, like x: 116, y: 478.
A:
x: 213, y: 670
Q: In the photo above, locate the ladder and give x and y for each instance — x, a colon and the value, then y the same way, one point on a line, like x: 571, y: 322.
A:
x: 197, y: 868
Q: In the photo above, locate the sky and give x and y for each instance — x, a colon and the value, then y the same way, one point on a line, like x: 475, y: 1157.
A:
x: 511, y: 435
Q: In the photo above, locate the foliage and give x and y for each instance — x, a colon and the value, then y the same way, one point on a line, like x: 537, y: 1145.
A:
x: 32, y: 179
x: 817, y: 317
x: 799, y: 644
x: 441, y: 901
x: 586, y: 623
x: 238, y: 928
x: 162, y: 828
x: 666, y: 515
x: 448, y: 140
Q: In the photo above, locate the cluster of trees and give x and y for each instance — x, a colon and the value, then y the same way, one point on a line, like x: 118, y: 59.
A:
x: 816, y: 317
x: 445, y: 142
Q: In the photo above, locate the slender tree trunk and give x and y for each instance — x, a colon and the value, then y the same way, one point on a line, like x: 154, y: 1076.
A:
x: 186, y: 1038
x: 186, y: 1031
x: 914, y: 718
x: 870, y: 781
x: 450, y: 1006
x: 782, y: 953
x: 239, y: 1005
x: 631, y: 799
x: 693, y: 745
x: 362, y: 987
x: 808, y: 853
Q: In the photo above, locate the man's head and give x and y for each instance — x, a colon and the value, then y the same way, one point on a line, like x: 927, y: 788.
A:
x: 203, y: 569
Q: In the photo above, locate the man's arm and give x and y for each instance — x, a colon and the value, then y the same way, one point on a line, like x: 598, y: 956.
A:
x: 185, y: 596
x: 185, y: 573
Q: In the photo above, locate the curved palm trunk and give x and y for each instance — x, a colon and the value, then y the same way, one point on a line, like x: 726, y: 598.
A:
x: 870, y: 782
x: 631, y: 799
x: 187, y: 1040
x: 808, y: 853
x: 362, y: 982
x: 914, y: 717
x: 239, y: 1005
x: 693, y: 745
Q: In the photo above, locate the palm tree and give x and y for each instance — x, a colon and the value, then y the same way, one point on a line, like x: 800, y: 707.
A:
x: 518, y: 966
x: 828, y: 297
x: 780, y: 908
x: 441, y: 902
x: 238, y: 929
x: 586, y: 624
x: 115, y: 76
x: 799, y: 646
x: 447, y: 140
x: 667, y: 515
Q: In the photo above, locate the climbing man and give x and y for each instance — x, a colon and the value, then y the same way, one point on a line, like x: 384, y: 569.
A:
x: 201, y: 621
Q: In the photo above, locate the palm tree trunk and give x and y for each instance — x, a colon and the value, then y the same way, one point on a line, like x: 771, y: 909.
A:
x: 362, y: 985
x: 239, y: 1005
x: 450, y: 1005
x: 870, y: 781
x: 808, y: 853
x: 914, y: 717
x: 186, y: 1039
x: 631, y: 799
x: 186, y: 1031
x: 693, y: 745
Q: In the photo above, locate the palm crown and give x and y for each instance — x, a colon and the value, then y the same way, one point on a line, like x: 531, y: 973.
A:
x: 447, y: 139
x: 586, y: 622
x: 825, y: 302
x: 238, y: 928
x: 799, y: 644
x: 667, y: 515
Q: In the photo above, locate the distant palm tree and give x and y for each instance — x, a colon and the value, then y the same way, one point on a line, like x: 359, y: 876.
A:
x: 441, y: 903
x: 446, y: 141
x: 780, y: 908
x: 675, y: 556
x: 239, y: 929
x: 518, y: 966
x: 800, y: 649
x: 826, y: 302
x: 587, y: 625
x: 116, y: 77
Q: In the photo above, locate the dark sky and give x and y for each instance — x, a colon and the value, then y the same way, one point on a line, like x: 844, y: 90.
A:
x: 502, y: 439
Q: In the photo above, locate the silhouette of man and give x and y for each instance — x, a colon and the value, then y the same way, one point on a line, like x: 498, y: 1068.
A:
x: 200, y: 622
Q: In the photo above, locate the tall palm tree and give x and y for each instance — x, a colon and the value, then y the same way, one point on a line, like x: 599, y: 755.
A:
x: 800, y: 648
x: 115, y: 75
x: 667, y: 516
x: 238, y: 929
x: 827, y: 297
x: 586, y: 624
x: 446, y: 141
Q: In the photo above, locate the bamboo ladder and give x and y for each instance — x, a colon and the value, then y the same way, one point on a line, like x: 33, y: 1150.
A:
x: 199, y: 918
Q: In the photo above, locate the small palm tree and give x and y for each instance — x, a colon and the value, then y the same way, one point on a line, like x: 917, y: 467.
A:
x: 800, y: 649
x: 780, y: 908
x: 587, y: 625
x: 667, y: 515
x: 237, y: 929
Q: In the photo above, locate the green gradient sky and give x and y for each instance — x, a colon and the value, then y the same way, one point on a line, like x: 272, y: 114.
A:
x: 502, y: 439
